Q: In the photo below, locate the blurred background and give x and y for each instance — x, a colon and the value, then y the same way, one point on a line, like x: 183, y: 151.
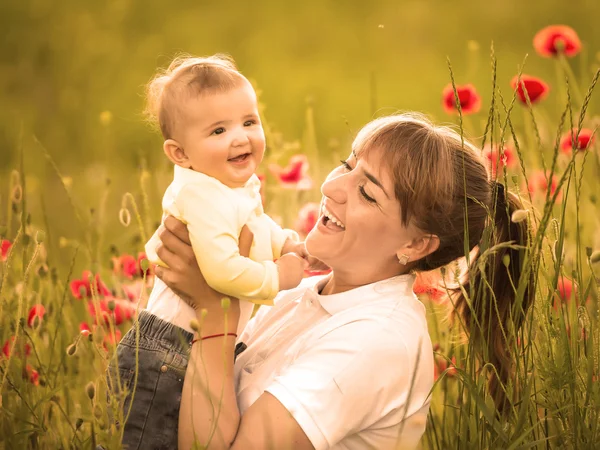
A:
x: 72, y: 74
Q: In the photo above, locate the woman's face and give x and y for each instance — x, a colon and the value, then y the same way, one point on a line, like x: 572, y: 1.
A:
x: 368, y: 235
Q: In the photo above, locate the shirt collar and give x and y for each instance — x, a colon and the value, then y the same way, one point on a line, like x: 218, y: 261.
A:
x: 395, y: 287
x: 189, y: 176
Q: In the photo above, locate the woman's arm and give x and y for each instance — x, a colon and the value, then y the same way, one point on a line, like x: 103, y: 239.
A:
x: 209, y: 413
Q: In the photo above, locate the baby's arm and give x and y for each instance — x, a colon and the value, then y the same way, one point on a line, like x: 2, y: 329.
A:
x: 214, y: 232
x: 283, y: 240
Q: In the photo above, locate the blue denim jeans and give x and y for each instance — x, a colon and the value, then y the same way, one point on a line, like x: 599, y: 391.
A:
x: 162, y: 355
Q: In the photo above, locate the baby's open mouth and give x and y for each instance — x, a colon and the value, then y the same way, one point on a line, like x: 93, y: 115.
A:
x: 240, y: 158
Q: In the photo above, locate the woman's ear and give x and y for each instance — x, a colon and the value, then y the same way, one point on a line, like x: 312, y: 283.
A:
x: 176, y: 154
x: 419, y: 247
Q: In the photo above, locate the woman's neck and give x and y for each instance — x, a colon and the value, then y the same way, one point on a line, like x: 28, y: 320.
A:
x: 338, y: 284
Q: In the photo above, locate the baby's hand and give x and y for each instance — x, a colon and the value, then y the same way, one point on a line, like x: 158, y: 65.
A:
x: 291, y: 270
x: 300, y: 249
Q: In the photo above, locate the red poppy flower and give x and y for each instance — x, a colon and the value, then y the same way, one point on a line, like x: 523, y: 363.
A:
x: 440, y: 364
x: 5, y: 246
x: 294, y: 175
x: 566, y: 289
x: 7, y: 345
x: 549, y: 41
x: 307, y: 218
x: 84, y: 329
x: 35, y: 311
x: 583, y: 142
x: 427, y: 285
x: 121, y: 312
x: 536, y: 88
x: 111, y: 340
x: 505, y: 158
x: 470, y: 101
x: 81, y: 288
x: 32, y: 375
x: 539, y: 185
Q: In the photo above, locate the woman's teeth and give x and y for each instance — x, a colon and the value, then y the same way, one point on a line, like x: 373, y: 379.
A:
x: 334, y: 219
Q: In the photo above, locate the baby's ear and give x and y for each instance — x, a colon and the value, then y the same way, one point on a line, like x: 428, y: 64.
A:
x: 176, y: 154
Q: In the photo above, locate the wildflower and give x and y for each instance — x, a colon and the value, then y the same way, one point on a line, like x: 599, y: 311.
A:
x: 32, y: 375
x: 536, y: 88
x: 428, y: 285
x: 506, y: 158
x: 82, y: 288
x: 111, y: 339
x: 539, y: 184
x: 441, y: 364
x: 294, y: 175
x: 120, y: 310
x: 84, y: 329
x: 35, y: 316
x: 555, y: 39
x: 130, y: 266
x: 470, y: 101
x: 8, y: 344
x: 307, y: 218
x: 125, y: 264
x: 5, y: 246
x: 566, y: 289
x: 582, y: 142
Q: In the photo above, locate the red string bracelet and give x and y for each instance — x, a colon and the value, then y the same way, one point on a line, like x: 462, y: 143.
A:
x: 214, y: 336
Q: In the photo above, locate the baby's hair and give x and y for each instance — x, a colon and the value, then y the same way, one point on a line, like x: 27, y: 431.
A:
x: 187, y: 76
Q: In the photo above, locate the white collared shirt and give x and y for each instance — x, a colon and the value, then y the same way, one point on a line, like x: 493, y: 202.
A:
x: 215, y: 215
x: 343, y: 364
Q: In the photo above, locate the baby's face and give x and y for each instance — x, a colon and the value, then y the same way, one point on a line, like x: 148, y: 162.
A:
x: 222, y: 135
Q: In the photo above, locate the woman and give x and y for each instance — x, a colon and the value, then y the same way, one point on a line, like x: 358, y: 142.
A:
x: 345, y: 361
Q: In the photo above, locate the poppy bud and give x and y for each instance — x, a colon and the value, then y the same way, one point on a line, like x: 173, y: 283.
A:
x: 71, y: 349
x: 40, y: 236
x: 225, y: 303
x: 78, y: 423
x: 506, y: 260
x: 111, y: 304
x: 194, y: 325
x: 90, y: 390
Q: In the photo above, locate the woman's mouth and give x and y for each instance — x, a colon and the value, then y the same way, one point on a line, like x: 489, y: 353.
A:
x: 331, y: 222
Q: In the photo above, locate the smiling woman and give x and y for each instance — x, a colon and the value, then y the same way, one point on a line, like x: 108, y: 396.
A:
x: 345, y: 361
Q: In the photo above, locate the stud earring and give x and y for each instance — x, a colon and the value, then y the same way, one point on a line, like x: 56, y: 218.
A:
x: 403, y: 259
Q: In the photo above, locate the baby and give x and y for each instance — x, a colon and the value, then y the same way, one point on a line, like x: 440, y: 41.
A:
x: 208, y: 115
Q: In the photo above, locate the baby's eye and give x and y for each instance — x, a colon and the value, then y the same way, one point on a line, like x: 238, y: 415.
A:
x: 219, y: 130
x: 249, y: 123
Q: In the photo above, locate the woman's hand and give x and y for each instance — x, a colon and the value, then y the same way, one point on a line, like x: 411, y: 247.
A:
x: 183, y: 275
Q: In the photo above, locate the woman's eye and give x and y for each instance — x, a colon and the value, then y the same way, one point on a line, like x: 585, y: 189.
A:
x: 345, y: 164
x: 365, y: 195
x: 219, y: 130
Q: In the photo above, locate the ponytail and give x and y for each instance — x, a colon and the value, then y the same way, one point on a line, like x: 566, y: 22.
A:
x: 495, y: 312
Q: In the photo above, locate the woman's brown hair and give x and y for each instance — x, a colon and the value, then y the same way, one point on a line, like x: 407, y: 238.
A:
x: 443, y: 188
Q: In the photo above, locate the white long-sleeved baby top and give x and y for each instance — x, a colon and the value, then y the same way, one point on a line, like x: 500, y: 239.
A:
x: 215, y: 215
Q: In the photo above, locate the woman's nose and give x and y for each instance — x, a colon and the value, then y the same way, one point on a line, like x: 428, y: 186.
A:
x: 335, y: 187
